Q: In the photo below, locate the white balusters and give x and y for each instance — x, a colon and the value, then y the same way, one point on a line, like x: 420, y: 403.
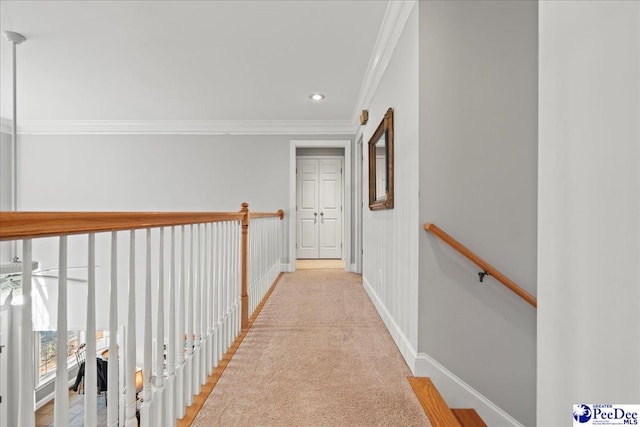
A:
x: 171, y: 347
x: 26, y: 414
x: 11, y: 401
x: 147, y: 363
x: 181, y: 333
x: 159, y: 390
x: 130, y: 342
x: 264, y: 258
x: 188, y: 376
x: 211, y: 302
x: 200, y: 299
x: 196, y: 307
x: 237, y: 283
x: 61, y: 403
x: 223, y: 289
x: 204, y: 302
x: 90, y: 371
x: 227, y: 287
x: 112, y: 367
x: 218, y: 293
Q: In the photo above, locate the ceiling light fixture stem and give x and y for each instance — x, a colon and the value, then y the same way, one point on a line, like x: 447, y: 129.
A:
x: 15, y: 39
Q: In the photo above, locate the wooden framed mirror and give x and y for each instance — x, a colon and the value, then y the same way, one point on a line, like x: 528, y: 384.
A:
x: 381, y: 165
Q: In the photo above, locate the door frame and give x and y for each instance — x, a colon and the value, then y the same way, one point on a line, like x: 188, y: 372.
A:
x: 356, y: 266
x: 346, y: 194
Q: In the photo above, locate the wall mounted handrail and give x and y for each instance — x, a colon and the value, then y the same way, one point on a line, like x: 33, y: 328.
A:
x: 485, y: 266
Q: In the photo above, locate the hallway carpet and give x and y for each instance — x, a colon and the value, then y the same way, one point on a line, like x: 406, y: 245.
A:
x: 317, y: 355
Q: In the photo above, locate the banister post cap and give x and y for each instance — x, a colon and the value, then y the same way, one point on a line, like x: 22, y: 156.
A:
x: 281, y: 213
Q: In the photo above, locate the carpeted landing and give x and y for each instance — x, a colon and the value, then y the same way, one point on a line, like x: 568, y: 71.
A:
x: 317, y: 355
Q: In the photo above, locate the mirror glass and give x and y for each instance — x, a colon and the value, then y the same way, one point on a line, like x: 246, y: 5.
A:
x: 381, y: 168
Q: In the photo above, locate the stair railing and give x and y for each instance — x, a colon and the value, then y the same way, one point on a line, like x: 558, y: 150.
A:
x: 487, y: 269
x: 202, y: 297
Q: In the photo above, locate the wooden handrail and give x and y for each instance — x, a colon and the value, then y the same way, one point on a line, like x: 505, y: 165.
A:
x: 25, y: 225
x: 485, y: 266
x: 279, y: 214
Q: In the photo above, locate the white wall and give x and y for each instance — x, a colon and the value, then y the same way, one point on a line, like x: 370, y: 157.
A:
x: 478, y: 182
x: 152, y: 172
x: 390, y: 237
x: 5, y: 188
x: 589, y: 207
x: 5, y: 171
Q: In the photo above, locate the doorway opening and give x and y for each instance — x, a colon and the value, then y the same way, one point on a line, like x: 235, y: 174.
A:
x: 320, y: 201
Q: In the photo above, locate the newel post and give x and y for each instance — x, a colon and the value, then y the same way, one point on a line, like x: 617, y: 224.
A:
x: 245, y: 295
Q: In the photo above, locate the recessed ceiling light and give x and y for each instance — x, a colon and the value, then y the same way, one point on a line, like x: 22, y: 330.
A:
x: 316, y: 96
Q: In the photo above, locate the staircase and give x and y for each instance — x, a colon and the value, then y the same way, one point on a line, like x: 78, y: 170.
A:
x: 437, y: 409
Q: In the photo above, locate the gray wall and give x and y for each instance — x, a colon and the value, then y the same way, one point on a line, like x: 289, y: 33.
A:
x: 478, y: 182
x: 156, y: 172
x: 589, y: 224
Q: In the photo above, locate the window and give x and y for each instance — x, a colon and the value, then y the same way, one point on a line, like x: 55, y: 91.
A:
x: 48, y: 351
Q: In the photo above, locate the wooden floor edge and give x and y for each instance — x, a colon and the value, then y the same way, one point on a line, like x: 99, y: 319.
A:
x: 432, y: 403
x: 205, y: 391
x: 468, y: 417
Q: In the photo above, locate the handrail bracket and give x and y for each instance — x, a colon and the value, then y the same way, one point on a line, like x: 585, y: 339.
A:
x: 481, y: 275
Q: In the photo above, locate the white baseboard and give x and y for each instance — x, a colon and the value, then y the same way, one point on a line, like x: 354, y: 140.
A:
x: 457, y: 393
x: 48, y: 398
x: 403, y: 344
x: 287, y: 267
x: 353, y: 268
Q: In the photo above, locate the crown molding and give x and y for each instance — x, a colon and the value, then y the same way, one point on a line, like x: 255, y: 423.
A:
x: 186, y: 127
x: 395, y: 18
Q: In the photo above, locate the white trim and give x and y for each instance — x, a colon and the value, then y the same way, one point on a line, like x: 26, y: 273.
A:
x: 393, y: 23
x: 185, y: 127
x: 459, y: 394
x: 358, y: 197
x: 286, y: 267
x: 49, y: 397
x: 346, y: 144
x: 403, y: 344
x: 455, y: 391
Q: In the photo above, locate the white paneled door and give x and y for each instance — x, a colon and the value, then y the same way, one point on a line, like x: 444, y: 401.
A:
x: 319, y: 203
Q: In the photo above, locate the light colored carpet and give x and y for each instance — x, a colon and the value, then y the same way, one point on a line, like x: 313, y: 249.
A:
x: 318, y: 355
x: 313, y: 264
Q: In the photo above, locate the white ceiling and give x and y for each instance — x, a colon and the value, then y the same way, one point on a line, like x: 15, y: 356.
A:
x: 188, y: 60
